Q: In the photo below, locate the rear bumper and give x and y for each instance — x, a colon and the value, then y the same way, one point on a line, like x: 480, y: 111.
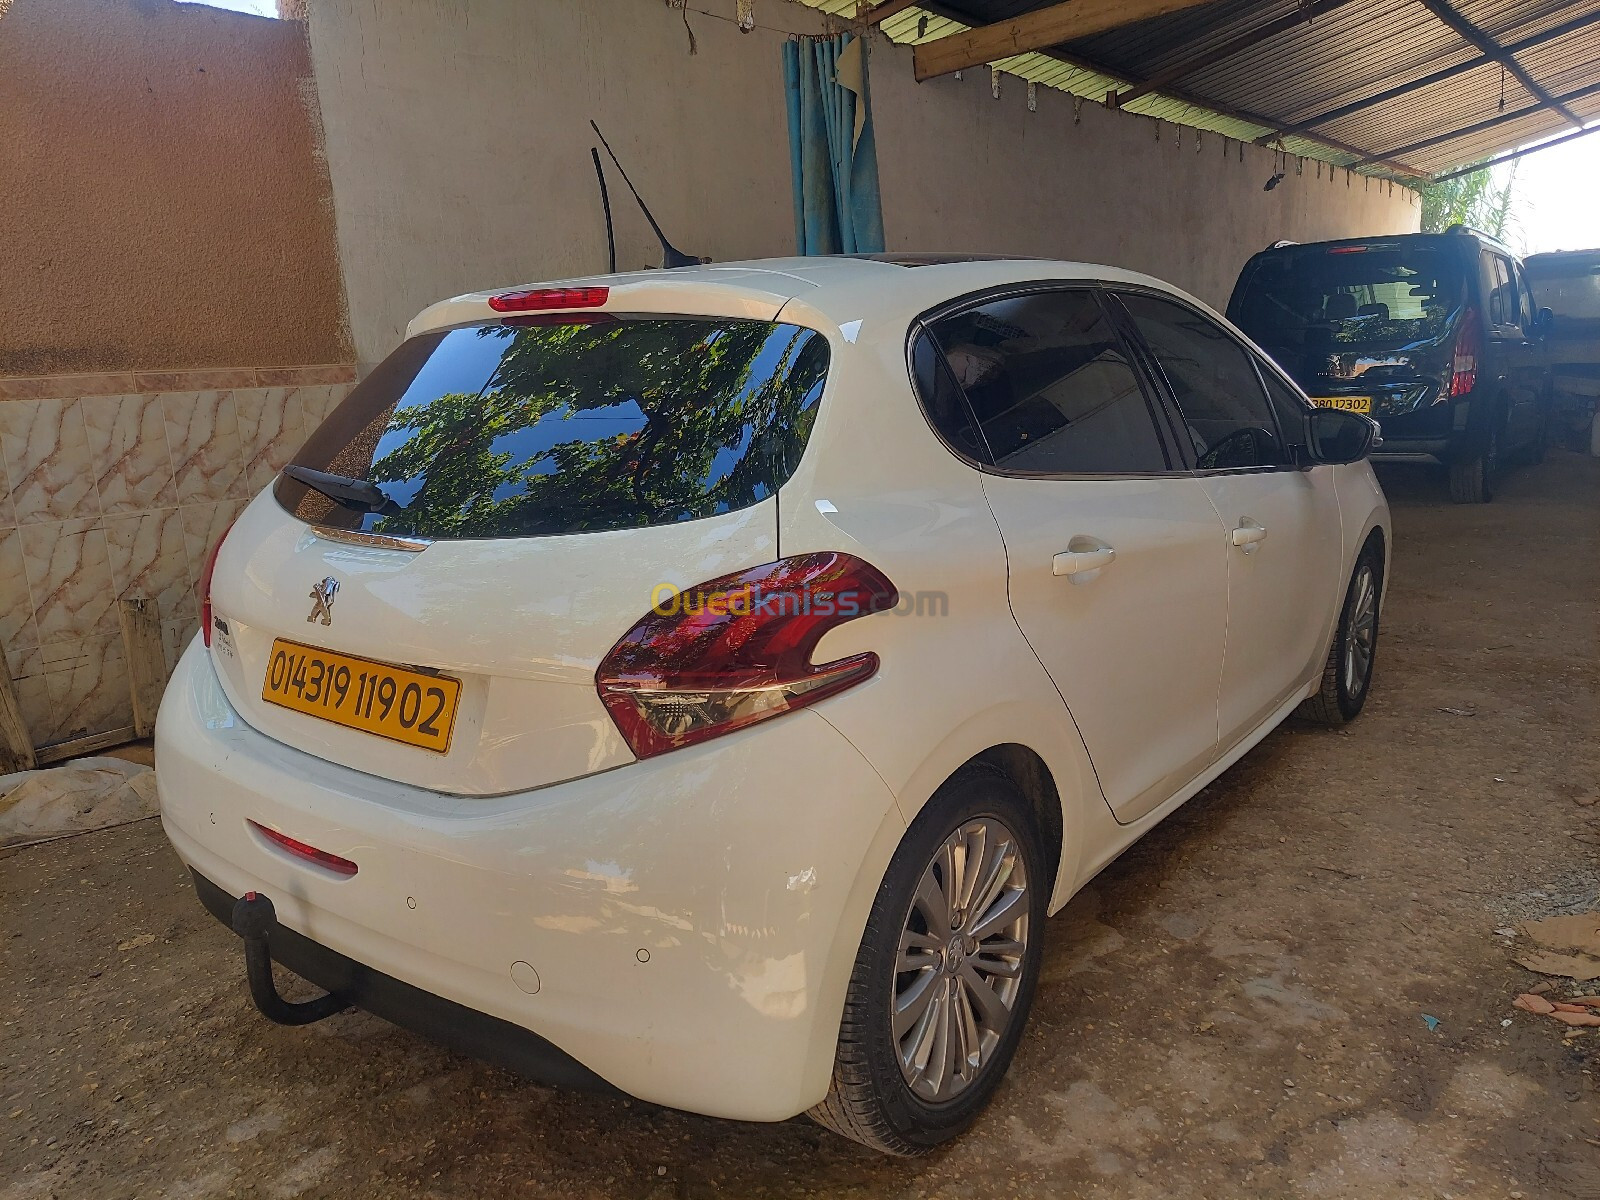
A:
x: 451, y: 1024
x: 692, y: 920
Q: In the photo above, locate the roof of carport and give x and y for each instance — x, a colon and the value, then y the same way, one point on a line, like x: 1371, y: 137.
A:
x: 1398, y: 87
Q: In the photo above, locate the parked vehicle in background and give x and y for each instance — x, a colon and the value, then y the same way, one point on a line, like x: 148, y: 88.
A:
x: 1567, y: 282
x: 1435, y: 335
x: 705, y: 682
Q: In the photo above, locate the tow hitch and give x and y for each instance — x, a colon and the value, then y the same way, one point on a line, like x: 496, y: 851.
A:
x: 254, y: 920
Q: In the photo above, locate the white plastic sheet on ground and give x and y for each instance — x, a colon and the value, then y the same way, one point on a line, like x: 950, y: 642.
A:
x: 89, y: 793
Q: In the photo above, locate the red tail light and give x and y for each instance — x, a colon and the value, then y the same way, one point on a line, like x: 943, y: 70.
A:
x: 736, y: 650
x: 1464, y: 363
x: 205, y: 585
x: 332, y: 862
x: 545, y: 299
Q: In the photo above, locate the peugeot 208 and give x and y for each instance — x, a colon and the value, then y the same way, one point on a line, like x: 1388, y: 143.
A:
x: 706, y: 682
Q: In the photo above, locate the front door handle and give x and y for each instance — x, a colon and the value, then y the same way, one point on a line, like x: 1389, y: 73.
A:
x: 1082, y: 555
x: 1247, y: 533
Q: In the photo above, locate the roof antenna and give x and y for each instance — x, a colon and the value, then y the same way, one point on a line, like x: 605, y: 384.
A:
x: 670, y: 255
x: 605, y: 203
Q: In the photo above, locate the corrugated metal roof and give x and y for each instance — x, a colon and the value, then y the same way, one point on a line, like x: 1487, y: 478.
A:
x: 1299, y: 76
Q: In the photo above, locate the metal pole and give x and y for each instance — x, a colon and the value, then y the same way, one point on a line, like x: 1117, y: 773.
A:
x: 1505, y: 158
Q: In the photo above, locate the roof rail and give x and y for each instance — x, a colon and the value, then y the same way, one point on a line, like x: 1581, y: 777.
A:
x: 1281, y: 243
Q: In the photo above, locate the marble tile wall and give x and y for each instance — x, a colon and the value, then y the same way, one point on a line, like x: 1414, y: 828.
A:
x: 117, y: 486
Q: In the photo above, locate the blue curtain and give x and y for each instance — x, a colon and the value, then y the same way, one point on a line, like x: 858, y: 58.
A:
x: 832, y: 152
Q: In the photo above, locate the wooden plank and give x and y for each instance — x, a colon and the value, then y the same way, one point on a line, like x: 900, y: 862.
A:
x: 147, y: 662
x: 16, y: 747
x: 1034, y: 31
x: 76, y: 747
x: 876, y: 14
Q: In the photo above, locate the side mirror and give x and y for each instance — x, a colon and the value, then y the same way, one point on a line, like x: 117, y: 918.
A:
x: 1335, y: 436
x: 1543, y: 322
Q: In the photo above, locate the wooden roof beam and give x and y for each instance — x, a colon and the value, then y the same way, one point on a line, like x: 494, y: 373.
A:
x: 876, y: 14
x: 1034, y: 31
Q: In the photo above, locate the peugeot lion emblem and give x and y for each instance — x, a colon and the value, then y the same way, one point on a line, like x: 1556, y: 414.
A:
x: 323, y: 593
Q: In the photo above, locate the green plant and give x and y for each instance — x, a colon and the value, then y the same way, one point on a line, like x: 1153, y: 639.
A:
x: 1472, y: 199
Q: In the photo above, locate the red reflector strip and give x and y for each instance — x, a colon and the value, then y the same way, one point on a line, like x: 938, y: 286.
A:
x: 340, y: 866
x: 1348, y: 249
x: 545, y: 299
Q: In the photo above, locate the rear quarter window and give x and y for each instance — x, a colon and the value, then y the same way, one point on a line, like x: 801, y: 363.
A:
x: 547, y: 426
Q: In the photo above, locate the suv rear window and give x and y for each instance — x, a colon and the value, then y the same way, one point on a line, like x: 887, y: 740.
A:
x: 545, y: 426
x: 1349, y: 296
x: 1567, y: 284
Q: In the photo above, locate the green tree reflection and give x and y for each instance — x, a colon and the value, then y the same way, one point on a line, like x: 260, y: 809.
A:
x: 719, y: 412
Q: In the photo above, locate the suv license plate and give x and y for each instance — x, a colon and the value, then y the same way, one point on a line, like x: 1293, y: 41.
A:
x: 1355, y: 404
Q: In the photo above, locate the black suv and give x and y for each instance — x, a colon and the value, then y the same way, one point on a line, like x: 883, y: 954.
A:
x: 1434, y: 335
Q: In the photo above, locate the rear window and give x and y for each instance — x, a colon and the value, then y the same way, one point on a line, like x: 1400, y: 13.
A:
x: 543, y: 427
x: 1349, y: 296
x: 1568, y: 285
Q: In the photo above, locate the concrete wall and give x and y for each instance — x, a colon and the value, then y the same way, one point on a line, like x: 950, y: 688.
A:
x: 961, y: 170
x: 166, y: 203
x: 458, y: 143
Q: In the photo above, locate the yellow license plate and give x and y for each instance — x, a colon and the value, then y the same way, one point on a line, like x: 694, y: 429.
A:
x: 392, y: 702
x: 1355, y: 404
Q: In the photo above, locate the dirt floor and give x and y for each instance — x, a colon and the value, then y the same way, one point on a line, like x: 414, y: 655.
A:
x: 1238, y: 1007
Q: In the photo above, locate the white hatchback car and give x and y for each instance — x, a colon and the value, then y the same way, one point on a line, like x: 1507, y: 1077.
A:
x: 704, y: 683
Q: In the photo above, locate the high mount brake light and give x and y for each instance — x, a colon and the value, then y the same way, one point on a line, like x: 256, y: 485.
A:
x: 1464, y: 360
x: 737, y: 649
x: 546, y: 299
x: 205, y: 586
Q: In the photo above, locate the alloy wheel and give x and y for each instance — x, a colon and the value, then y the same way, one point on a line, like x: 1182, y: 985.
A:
x: 958, y: 972
x: 1361, y: 637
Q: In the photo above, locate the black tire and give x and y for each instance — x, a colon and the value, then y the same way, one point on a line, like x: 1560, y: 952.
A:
x: 1473, y: 481
x: 1337, y: 702
x: 870, y: 1099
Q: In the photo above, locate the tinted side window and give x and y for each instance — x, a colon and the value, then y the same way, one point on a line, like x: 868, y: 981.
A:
x: 1289, y: 405
x: 1502, y: 299
x: 1214, y: 383
x: 1525, y: 294
x: 942, y: 399
x: 1051, y: 386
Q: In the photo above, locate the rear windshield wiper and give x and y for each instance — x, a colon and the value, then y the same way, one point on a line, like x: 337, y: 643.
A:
x: 357, y: 494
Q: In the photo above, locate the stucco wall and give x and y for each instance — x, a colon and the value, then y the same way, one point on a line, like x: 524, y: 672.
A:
x: 961, y: 170
x: 166, y: 205
x: 458, y: 142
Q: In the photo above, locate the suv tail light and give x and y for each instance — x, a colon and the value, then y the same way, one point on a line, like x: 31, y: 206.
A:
x: 737, y: 649
x: 205, y: 586
x: 1464, y: 361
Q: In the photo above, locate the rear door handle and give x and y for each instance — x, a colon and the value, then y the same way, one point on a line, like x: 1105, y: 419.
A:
x: 1083, y: 554
x: 1247, y: 533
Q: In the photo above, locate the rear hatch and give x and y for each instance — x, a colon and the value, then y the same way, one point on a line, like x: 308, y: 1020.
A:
x: 1361, y: 321
x: 539, y: 477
